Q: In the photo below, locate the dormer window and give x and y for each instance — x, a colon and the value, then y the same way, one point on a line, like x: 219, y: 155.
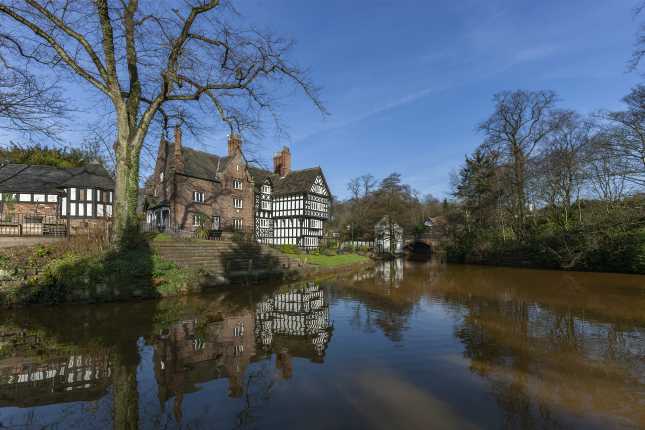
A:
x: 237, y: 184
x: 198, y: 197
x: 266, y: 189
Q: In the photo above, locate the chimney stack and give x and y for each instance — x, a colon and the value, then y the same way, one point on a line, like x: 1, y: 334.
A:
x: 179, y: 160
x: 234, y: 144
x: 282, y: 162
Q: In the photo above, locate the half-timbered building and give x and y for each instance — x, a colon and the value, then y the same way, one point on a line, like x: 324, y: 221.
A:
x: 291, y: 206
x: 34, y: 200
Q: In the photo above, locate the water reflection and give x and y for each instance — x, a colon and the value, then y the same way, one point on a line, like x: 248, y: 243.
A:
x: 407, y: 343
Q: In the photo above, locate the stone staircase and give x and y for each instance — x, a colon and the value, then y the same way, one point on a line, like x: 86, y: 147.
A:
x: 225, y: 257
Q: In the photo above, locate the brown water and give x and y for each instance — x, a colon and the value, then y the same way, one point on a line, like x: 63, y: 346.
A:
x: 400, y: 346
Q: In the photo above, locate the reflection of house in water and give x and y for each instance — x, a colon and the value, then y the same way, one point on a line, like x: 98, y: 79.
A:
x: 192, y: 352
x: 296, y: 321
x: 30, y: 381
x: 390, y: 272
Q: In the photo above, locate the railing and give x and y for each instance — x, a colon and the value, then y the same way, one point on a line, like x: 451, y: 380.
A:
x: 32, y: 225
x: 244, y: 233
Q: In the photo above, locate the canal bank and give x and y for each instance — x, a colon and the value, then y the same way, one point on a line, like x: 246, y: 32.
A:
x: 71, y: 273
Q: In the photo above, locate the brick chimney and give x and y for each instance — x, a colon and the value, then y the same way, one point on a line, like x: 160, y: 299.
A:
x: 282, y: 162
x: 179, y: 160
x: 234, y: 144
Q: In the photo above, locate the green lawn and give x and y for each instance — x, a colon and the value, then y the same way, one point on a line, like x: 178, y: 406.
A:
x: 334, y: 260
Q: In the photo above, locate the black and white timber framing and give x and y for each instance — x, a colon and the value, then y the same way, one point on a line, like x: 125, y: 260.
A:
x: 291, y: 210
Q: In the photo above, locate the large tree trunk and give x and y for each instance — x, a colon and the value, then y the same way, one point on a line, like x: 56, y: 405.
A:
x: 128, y: 152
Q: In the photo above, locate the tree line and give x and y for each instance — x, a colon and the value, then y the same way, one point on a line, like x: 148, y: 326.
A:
x: 550, y: 187
x: 371, y: 199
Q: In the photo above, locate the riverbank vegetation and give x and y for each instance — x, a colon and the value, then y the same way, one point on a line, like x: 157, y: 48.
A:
x: 551, y: 188
x: 87, y: 270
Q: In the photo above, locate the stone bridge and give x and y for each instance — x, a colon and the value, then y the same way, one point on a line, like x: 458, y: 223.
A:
x: 425, y: 244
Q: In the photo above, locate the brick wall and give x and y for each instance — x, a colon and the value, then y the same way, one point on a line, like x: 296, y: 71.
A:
x: 181, y: 198
x: 236, y: 169
x: 22, y: 208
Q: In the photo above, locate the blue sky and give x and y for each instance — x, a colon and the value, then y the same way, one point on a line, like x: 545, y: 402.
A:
x: 407, y: 81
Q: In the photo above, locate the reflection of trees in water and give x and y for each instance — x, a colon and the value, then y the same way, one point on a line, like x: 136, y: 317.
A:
x: 384, y: 299
x: 544, y: 355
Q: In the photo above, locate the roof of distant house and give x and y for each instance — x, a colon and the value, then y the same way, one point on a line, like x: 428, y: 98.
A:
x: 27, y: 178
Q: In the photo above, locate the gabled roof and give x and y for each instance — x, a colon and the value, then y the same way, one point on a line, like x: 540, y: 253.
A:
x: 41, y: 179
x: 199, y: 164
x: 298, y: 181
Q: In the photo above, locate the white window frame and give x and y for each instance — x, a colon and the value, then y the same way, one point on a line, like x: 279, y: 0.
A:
x: 197, y: 221
x: 237, y: 184
x: 198, y: 197
x: 238, y: 203
x: 237, y: 223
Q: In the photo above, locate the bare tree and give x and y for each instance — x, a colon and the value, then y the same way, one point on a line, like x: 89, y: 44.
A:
x: 628, y: 139
x: 354, y: 188
x: 27, y: 105
x: 368, y: 183
x: 560, y: 169
x: 519, y: 124
x: 150, y: 58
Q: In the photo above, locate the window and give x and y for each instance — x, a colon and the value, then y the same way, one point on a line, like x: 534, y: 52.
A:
x: 39, y: 197
x: 63, y: 206
x: 237, y: 223
x: 99, y: 210
x: 197, y: 220
x: 264, y: 223
x: 24, y: 197
x: 266, y: 189
x: 88, y: 195
x: 216, y: 222
x: 108, y: 210
x: 237, y: 184
x: 72, y: 193
x: 198, y: 197
x: 110, y: 198
x: 161, y: 177
x: 52, y: 198
x: 237, y: 203
x: 266, y: 205
x: 72, y: 209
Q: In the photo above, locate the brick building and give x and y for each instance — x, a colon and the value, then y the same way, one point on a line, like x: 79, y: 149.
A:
x: 190, y: 189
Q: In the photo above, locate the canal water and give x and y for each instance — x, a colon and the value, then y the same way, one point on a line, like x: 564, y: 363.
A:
x: 403, y: 345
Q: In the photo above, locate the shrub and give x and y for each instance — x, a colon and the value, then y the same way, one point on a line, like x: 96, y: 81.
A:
x: 289, y: 249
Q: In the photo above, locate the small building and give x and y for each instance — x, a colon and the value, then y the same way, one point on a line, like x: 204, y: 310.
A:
x: 388, y: 236
x: 39, y: 200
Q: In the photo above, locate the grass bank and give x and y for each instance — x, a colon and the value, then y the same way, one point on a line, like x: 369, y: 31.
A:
x: 333, y: 261
x: 70, y: 271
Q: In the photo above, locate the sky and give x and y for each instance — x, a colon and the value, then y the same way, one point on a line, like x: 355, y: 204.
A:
x: 407, y: 81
